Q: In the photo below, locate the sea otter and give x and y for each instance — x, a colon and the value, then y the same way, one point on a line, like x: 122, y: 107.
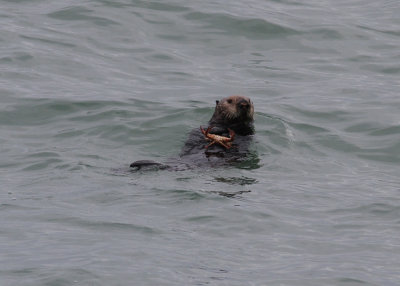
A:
x: 234, y: 113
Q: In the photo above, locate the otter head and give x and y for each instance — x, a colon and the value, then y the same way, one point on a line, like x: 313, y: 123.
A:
x: 235, y: 112
x: 235, y: 108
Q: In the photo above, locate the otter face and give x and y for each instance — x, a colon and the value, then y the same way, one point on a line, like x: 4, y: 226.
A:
x: 236, y: 106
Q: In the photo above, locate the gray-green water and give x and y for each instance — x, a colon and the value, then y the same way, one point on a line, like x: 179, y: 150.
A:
x: 87, y: 87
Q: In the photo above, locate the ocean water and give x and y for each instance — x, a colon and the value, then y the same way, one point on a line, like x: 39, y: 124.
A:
x: 87, y: 87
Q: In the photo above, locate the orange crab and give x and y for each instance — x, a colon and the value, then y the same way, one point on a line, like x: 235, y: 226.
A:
x: 221, y: 140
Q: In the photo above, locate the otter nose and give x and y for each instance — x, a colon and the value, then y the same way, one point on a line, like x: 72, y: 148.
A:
x: 243, y: 104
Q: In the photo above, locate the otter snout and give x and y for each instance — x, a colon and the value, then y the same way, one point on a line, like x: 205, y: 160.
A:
x: 243, y: 104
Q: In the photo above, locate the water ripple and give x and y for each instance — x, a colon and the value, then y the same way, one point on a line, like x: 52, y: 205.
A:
x: 79, y: 13
x: 249, y: 28
x: 88, y: 87
x: 104, y: 225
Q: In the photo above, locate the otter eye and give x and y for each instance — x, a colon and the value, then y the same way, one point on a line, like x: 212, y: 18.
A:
x: 229, y: 100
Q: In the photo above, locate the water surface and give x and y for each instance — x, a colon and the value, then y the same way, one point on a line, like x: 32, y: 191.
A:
x: 88, y: 87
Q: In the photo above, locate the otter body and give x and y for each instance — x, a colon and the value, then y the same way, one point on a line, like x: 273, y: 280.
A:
x: 234, y: 112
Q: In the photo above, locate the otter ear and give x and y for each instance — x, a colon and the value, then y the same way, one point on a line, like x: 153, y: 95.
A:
x: 217, y: 101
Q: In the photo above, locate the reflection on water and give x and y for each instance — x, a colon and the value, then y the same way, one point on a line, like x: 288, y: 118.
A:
x: 232, y: 194
x: 242, y: 181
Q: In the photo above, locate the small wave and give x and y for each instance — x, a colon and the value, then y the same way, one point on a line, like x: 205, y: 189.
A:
x: 79, y: 13
x: 326, y: 33
x: 46, y: 41
x: 384, y: 31
x: 42, y: 164
x: 151, y: 5
x: 386, y: 131
x: 373, y: 209
x: 175, y: 196
x: 104, y: 225
x: 46, y: 111
x: 250, y: 28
